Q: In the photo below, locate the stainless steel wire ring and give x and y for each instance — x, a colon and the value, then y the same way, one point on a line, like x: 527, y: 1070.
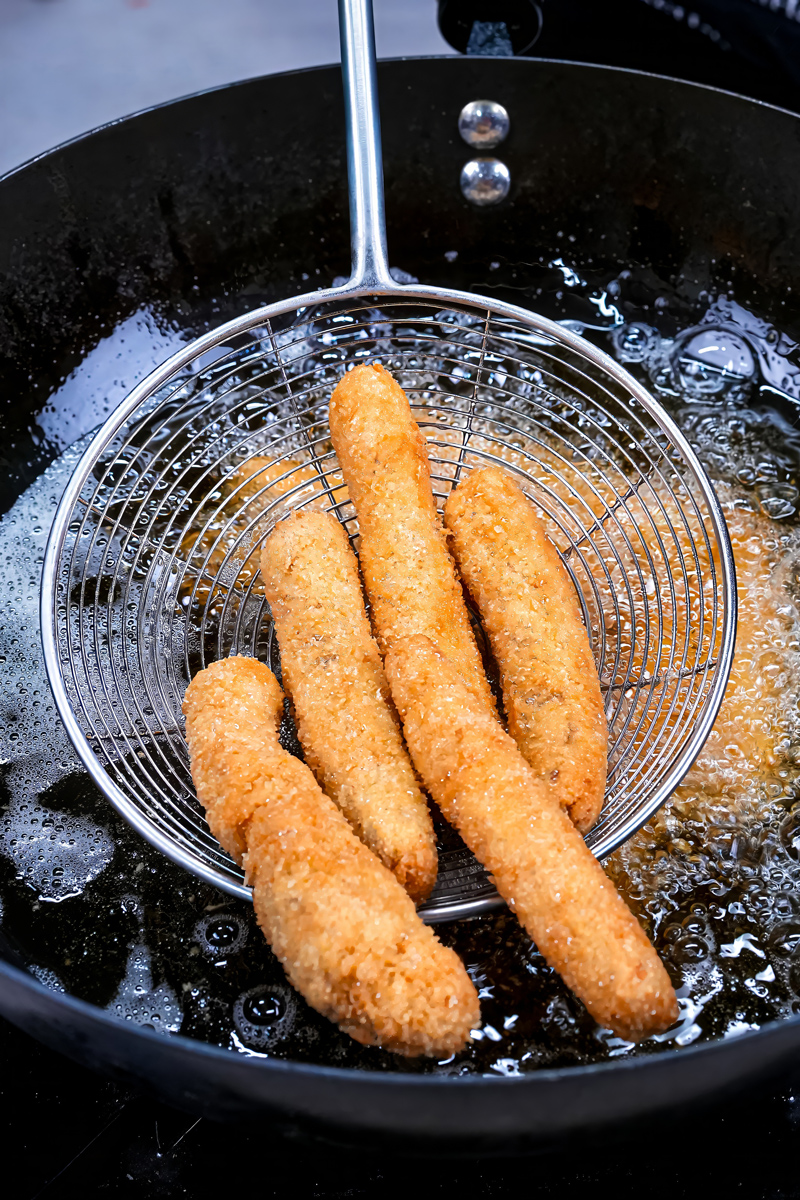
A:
x: 152, y: 566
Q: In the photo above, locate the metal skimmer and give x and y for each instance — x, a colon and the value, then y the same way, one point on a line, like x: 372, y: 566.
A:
x: 152, y: 565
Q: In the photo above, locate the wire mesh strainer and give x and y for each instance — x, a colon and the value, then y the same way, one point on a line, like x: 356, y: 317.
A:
x: 151, y: 569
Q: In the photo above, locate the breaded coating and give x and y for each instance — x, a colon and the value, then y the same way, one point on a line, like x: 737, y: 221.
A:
x: 408, y: 572
x: 540, y: 863
x: 533, y: 621
x: 333, y: 673
x: 346, y: 932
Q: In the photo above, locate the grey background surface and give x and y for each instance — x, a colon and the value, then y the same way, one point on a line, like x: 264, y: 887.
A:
x: 69, y: 65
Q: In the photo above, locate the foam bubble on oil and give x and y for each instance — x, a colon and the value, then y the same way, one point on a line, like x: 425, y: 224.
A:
x: 727, y: 834
x: 749, y: 764
x: 56, y: 854
x: 31, y: 732
x: 139, y: 1001
x: 47, y: 978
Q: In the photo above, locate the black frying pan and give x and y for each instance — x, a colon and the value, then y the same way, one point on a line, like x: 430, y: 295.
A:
x: 211, y: 205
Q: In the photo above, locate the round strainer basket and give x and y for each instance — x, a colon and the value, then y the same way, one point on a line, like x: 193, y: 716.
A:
x: 152, y: 567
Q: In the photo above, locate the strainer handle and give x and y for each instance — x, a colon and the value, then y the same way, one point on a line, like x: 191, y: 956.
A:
x: 370, y: 266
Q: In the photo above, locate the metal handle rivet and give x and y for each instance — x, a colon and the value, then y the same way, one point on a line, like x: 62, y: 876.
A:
x: 483, y: 124
x: 485, y: 181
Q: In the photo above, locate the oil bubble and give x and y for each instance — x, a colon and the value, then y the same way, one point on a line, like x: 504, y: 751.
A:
x: 778, y: 501
x: 220, y: 935
x: 689, y: 950
x: 264, y: 1015
x: 785, y: 939
x: 635, y: 342
x: 707, y: 360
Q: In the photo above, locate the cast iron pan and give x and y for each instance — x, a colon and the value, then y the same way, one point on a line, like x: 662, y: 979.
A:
x: 213, y: 204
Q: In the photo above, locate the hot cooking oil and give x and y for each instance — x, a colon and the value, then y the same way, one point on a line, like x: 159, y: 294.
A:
x: 91, y: 909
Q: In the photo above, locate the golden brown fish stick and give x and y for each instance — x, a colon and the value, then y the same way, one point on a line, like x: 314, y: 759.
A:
x: 531, y: 615
x: 540, y: 863
x: 346, y: 932
x: 333, y: 673
x: 409, y: 574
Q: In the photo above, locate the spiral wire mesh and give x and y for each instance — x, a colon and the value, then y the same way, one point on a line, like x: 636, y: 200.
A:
x: 153, y: 560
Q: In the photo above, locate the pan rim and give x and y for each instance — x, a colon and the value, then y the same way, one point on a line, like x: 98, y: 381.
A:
x: 395, y: 1079
x: 382, y: 62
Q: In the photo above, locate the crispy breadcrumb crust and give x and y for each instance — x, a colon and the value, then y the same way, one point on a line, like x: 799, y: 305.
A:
x: 518, y: 830
x: 533, y: 621
x: 333, y: 673
x: 344, y: 929
x: 409, y: 575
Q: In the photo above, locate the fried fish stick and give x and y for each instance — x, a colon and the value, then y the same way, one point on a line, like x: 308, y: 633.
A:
x: 531, y: 616
x: 517, y: 829
x: 334, y: 675
x: 409, y: 575
x: 346, y: 932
